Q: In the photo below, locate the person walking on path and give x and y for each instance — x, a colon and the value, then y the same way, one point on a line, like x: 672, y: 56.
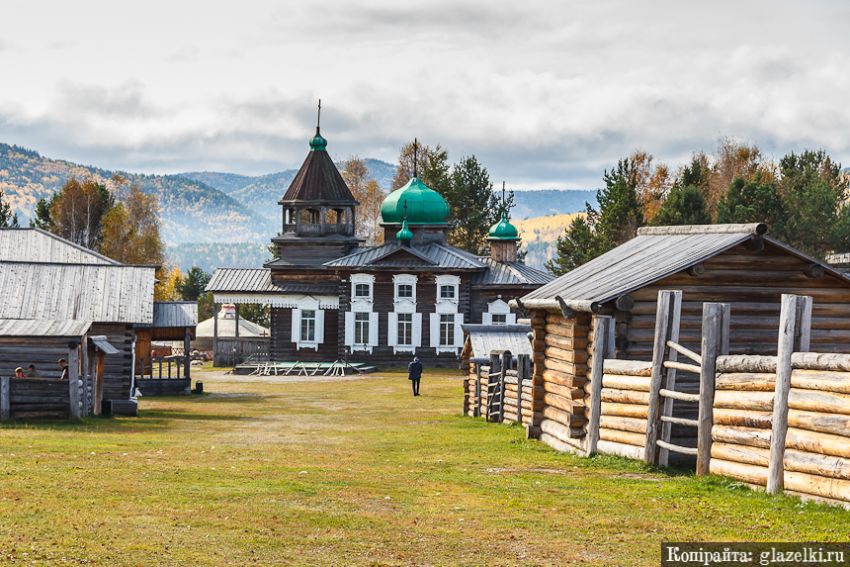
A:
x: 414, y: 374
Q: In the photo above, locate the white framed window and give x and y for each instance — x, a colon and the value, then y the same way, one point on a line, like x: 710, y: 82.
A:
x: 405, y: 291
x: 498, y: 313
x: 448, y: 291
x: 447, y: 288
x: 361, y: 329
x: 362, y: 290
x: 447, y: 329
x: 404, y: 329
x: 308, y: 325
x: 362, y: 287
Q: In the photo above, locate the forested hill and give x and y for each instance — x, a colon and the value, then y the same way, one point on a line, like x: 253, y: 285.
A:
x: 210, y: 217
x: 191, y: 210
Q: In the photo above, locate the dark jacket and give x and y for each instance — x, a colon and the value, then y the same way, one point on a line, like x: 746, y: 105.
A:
x: 414, y: 370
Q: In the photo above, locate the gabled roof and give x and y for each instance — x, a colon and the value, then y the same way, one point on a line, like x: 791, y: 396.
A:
x: 102, y: 293
x: 393, y: 255
x: 655, y: 253
x: 510, y: 274
x: 259, y: 280
x: 36, y: 245
x: 43, y: 328
x: 318, y: 181
x: 484, y: 339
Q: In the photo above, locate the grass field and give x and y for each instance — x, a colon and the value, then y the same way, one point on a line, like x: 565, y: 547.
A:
x: 354, y: 472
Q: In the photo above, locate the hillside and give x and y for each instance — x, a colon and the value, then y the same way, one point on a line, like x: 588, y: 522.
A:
x: 540, y: 236
x: 217, y: 218
x: 190, y: 209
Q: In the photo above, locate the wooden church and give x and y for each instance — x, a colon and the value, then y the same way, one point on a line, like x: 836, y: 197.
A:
x: 332, y: 298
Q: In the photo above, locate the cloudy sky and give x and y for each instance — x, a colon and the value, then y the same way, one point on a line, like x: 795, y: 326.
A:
x: 547, y: 94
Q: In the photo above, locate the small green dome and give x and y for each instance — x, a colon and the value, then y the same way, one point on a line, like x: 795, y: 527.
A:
x: 503, y: 230
x: 424, y: 205
x: 405, y: 234
x: 318, y: 143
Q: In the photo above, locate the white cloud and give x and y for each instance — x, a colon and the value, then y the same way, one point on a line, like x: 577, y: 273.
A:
x: 544, y: 93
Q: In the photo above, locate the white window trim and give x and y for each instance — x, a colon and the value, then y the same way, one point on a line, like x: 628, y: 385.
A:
x: 498, y: 307
x: 311, y: 304
x: 392, y: 332
x: 449, y: 280
x: 367, y: 279
x: 404, y: 304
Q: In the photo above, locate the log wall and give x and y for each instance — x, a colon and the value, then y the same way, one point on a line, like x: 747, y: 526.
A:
x: 816, y: 463
x: 561, y: 346
x: 625, y: 403
x: 38, y: 398
x: 752, y: 281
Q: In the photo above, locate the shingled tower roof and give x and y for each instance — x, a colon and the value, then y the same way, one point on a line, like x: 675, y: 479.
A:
x: 318, y: 181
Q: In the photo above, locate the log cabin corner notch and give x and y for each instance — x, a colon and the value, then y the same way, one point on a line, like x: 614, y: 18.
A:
x: 735, y: 264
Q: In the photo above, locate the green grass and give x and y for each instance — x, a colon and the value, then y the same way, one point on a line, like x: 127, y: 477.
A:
x: 355, y: 472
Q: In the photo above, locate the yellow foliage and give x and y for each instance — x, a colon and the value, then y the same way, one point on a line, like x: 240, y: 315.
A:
x: 547, y: 228
x: 167, y: 284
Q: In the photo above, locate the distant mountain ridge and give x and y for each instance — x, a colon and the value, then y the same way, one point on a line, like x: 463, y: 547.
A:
x: 209, y: 216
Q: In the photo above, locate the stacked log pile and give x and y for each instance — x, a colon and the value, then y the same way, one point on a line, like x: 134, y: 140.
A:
x: 512, y: 396
x: 560, y: 373
x: 478, y: 374
x: 625, y: 403
x: 817, y: 444
x: 743, y: 405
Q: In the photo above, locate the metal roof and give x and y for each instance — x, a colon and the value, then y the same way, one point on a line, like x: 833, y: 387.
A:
x: 36, y: 245
x: 174, y: 314
x: 103, y: 344
x: 100, y: 293
x: 488, y: 338
x: 393, y: 255
x: 510, y: 273
x: 43, y: 328
x: 259, y: 280
x: 655, y: 253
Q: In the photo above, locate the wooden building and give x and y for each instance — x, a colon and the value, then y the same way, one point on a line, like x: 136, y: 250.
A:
x: 48, y: 281
x: 332, y: 298
x: 735, y: 264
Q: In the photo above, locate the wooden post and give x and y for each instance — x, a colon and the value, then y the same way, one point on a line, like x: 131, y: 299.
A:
x: 523, y: 373
x: 601, y: 346
x: 789, y: 335
x: 187, y: 359
x: 507, y: 358
x: 97, y: 383
x: 5, y: 398
x: 215, y: 331
x: 477, y: 390
x: 664, y: 323
x: 236, y: 328
x: 73, y: 381
x: 714, y: 326
x: 670, y: 381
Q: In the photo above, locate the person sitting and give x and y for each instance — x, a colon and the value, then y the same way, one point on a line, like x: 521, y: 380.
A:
x: 63, y: 364
x: 19, y: 372
x: 31, y: 372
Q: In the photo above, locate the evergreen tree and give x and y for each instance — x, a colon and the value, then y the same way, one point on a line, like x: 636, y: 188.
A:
x: 615, y: 221
x: 813, y: 190
x: 473, y: 205
x: 41, y: 219
x: 753, y: 200
x: 8, y: 219
x: 683, y: 205
x: 193, y: 284
x: 576, y: 247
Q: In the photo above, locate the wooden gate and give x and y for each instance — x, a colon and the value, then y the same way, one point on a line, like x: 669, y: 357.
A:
x: 695, y: 397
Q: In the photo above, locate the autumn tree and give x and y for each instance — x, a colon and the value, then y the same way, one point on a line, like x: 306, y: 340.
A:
x: 652, y: 182
x: 368, y: 193
x: 168, y: 283
x: 685, y: 203
x: 131, y: 230
x: 8, y: 219
x: 78, y: 209
x: 733, y: 160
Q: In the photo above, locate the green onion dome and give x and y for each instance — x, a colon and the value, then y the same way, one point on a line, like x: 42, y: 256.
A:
x: 424, y: 205
x: 405, y: 234
x: 503, y: 230
x: 318, y: 143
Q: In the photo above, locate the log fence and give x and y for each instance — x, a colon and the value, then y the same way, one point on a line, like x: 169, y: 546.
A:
x: 779, y: 423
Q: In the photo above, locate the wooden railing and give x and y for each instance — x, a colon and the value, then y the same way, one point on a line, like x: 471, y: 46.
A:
x: 310, y: 229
